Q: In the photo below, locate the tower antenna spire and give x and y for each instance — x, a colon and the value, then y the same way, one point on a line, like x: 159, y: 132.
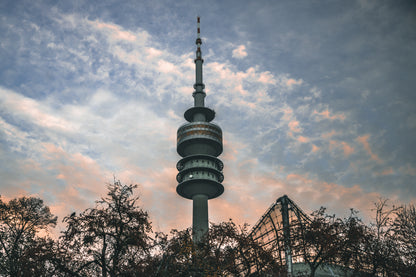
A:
x: 199, y: 31
x: 199, y: 94
x: 198, y: 38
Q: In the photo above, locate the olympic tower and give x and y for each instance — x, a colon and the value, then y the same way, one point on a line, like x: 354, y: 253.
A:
x: 199, y: 143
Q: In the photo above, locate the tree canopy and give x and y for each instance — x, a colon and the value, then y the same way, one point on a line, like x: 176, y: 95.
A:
x: 22, y: 252
x: 111, y: 239
x: 115, y: 238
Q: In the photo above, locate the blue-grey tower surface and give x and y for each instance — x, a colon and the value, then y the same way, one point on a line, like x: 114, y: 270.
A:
x: 199, y: 143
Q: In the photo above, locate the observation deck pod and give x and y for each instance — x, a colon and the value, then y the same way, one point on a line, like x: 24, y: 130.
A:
x: 280, y: 230
x: 199, y: 138
x: 200, y: 174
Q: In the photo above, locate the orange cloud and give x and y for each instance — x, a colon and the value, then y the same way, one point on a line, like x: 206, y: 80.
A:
x: 388, y: 171
x: 346, y: 148
x: 407, y: 170
x: 246, y: 197
x: 267, y: 78
x: 364, y: 141
x: 303, y: 139
x: 241, y: 90
x: 158, y: 196
x: 116, y: 31
x: 329, y: 134
x: 337, y: 198
x: 287, y: 113
x: 77, y: 170
x: 290, y: 83
x: 240, y: 52
x: 315, y: 148
x: 327, y: 115
x: 294, y: 126
x: 232, y: 148
x: 153, y: 52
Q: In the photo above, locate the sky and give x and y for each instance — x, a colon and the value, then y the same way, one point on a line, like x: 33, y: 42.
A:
x: 316, y: 100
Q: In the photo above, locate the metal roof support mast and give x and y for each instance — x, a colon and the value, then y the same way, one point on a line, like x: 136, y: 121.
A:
x: 199, y: 143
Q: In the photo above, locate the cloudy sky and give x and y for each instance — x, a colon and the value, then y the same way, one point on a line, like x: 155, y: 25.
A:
x: 316, y: 100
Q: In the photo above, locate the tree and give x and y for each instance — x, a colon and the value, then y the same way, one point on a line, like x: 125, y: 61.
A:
x: 225, y: 251
x: 111, y: 239
x: 404, y: 227
x: 381, y: 247
x: 321, y: 240
x: 22, y: 252
x: 329, y: 240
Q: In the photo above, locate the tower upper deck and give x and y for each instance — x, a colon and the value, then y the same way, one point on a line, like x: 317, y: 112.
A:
x: 199, y: 142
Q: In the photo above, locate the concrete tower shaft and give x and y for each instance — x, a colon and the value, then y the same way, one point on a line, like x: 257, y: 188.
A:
x: 199, y: 142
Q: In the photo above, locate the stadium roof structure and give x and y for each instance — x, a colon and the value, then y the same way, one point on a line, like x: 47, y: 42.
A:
x: 281, y: 230
x: 275, y: 231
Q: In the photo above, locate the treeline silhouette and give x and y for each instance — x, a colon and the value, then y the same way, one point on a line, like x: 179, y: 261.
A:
x: 115, y: 238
